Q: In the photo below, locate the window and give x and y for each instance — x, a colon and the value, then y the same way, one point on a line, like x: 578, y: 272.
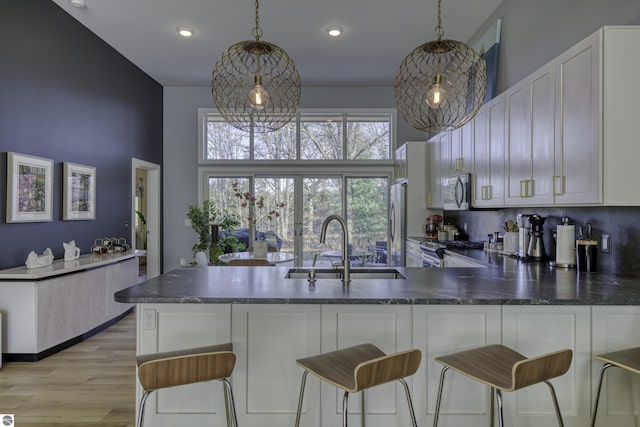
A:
x: 323, y: 163
x: 320, y: 135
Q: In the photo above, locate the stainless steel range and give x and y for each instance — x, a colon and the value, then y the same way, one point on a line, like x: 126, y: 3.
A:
x: 433, y: 251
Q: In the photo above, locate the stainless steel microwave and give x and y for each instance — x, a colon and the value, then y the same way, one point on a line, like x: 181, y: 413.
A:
x: 456, y: 192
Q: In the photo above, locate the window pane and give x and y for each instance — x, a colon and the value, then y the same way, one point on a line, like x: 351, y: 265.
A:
x: 321, y: 137
x: 274, y: 211
x: 368, y: 138
x: 278, y: 145
x: 367, y: 211
x: 226, y: 142
x: 321, y: 197
x: 222, y: 194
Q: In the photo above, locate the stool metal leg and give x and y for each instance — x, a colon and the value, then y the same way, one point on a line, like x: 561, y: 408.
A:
x: 362, y: 407
x: 345, y: 408
x: 437, y: 413
x: 595, y: 406
x: 555, y: 404
x: 143, y: 401
x: 231, y: 402
x: 302, y: 385
x: 499, y: 399
x: 409, y: 402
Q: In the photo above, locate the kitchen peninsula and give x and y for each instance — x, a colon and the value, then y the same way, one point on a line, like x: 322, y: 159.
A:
x: 273, y: 320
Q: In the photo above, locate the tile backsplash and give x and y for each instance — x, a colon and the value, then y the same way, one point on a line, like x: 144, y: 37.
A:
x: 621, y: 223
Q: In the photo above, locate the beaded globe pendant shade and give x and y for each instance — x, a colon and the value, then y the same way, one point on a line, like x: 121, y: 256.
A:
x: 441, y: 84
x: 255, y: 84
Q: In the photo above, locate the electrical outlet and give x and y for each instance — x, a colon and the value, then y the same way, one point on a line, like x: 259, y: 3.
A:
x: 606, y: 243
x: 148, y: 319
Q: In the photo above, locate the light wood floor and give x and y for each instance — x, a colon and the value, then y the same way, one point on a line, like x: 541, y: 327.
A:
x: 91, y: 384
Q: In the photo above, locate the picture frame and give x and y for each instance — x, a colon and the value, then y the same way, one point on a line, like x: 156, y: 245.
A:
x: 29, y: 188
x: 79, y: 192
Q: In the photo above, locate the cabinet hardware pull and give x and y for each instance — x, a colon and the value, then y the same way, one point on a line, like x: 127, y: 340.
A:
x: 430, y: 198
x: 523, y: 185
x: 459, y: 163
x: 530, y: 189
x: 558, y: 189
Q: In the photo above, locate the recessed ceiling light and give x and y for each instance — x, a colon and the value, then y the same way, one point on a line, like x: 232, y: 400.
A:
x: 334, y: 31
x: 80, y: 4
x: 185, y: 31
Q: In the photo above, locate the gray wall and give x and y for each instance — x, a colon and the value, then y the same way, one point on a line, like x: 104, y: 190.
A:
x: 68, y: 96
x: 535, y: 32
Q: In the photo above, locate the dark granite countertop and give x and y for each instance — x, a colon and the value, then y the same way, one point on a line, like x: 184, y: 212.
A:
x: 507, y: 282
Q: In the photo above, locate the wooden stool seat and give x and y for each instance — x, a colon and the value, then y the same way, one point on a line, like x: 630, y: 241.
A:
x: 628, y: 359
x: 174, y: 368
x: 504, y: 369
x: 358, y: 368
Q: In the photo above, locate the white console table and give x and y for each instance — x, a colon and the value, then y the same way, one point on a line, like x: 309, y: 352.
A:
x: 47, y: 309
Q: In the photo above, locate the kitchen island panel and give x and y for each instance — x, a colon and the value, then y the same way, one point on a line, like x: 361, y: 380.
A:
x: 167, y: 327
x: 267, y: 340
x: 616, y: 328
x: 440, y: 330
x: 536, y: 330
x: 388, y: 328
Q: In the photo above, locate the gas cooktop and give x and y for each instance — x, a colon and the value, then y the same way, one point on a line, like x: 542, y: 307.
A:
x: 451, y: 244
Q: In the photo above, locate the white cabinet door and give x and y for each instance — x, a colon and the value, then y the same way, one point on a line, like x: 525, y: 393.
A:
x: 446, y: 161
x: 616, y: 328
x: 578, y: 175
x: 387, y: 327
x: 489, y: 154
x: 180, y: 326
x: 413, y: 256
x: 541, y: 87
x: 518, y: 171
x: 533, y: 331
x: 440, y: 330
x: 462, y: 149
x: 267, y: 340
x: 434, y: 181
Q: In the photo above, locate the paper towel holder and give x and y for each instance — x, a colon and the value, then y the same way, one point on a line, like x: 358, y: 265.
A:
x: 565, y: 255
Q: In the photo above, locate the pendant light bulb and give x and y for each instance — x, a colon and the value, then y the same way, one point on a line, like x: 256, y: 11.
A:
x: 437, y: 96
x: 258, y: 97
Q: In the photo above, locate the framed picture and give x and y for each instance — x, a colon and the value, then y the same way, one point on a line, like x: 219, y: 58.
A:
x: 29, y: 188
x: 79, y: 192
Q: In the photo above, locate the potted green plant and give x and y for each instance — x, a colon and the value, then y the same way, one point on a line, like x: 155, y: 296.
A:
x: 207, y: 221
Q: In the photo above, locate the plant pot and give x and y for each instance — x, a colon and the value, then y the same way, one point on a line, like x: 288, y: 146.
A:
x: 260, y: 249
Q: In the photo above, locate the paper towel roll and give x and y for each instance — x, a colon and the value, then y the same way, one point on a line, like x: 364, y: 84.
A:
x: 565, y: 245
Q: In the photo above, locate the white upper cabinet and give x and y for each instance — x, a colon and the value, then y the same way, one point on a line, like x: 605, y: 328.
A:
x: 621, y: 113
x: 488, y: 159
x: 529, y: 154
x: 434, y: 174
x: 462, y: 149
x: 577, y: 176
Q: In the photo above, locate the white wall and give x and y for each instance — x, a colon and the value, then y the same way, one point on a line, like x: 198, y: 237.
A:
x: 181, y: 150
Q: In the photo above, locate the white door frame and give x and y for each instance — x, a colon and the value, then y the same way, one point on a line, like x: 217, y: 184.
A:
x: 153, y: 213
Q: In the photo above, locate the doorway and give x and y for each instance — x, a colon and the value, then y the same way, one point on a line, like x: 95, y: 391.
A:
x: 145, y: 215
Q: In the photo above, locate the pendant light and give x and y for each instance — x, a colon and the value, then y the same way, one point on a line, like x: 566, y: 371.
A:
x: 255, y: 84
x: 441, y: 84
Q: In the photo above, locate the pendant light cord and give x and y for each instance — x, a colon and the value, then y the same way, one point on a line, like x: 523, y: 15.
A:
x: 439, y: 29
x: 257, y: 31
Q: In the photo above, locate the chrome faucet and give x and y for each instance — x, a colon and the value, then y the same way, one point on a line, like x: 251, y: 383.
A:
x: 346, y: 277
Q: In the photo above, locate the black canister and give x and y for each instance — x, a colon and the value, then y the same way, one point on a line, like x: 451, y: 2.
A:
x: 587, y: 255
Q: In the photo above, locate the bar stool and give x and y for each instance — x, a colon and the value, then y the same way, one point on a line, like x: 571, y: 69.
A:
x: 173, y: 368
x: 628, y: 359
x: 504, y: 369
x: 358, y: 368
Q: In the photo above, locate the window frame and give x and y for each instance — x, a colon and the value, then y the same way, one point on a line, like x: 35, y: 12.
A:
x: 347, y: 116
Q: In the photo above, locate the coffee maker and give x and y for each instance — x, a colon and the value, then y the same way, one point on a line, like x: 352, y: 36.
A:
x: 536, y: 242
x: 432, y: 226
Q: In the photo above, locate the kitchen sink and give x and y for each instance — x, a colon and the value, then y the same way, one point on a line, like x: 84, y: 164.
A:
x: 356, y: 273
